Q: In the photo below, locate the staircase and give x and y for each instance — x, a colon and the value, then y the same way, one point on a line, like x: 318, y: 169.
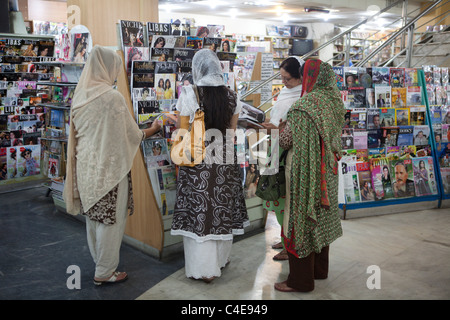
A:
x: 433, y: 49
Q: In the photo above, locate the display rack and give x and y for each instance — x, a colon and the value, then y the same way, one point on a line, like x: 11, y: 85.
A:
x: 380, y: 205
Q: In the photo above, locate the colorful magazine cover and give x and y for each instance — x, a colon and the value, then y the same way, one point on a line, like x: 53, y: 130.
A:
x: 389, y: 136
x: 228, y: 45
x: 445, y: 176
x: 373, y: 119
x: 402, y: 116
x: 132, y: 33
x: 162, y: 54
x: 339, y: 72
x: 398, y: 97
x: 411, y: 77
x: 405, y: 136
x: 387, y: 117
x: 135, y: 54
x: 165, y: 86
x: 424, y: 178
x: 366, y: 186
x: 421, y: 135
x: 154, y: 28
x: 212, y: 43
x: 383, y: 96
x: 195, y: 43
x: 380, y: 76
x: 397, y: 77
x: 161, y: 41
x: 351, y: 77
x: 417, y: 115
x: 403, y: 178
x: 53, y: 166
x: 156, y: 153
x: 413, y: 96
x: 30, y: 159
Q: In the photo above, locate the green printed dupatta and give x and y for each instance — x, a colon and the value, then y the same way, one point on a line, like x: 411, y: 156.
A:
x: 316, y: 121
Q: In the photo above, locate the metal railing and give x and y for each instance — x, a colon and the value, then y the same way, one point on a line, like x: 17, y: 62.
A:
x: 406, y: 29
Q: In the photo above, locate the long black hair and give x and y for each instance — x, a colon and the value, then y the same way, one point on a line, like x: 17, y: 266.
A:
x: 219, y: 104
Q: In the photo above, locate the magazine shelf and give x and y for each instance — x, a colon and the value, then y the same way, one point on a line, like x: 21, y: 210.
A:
x: 153, y: 173
x: 390, y: 160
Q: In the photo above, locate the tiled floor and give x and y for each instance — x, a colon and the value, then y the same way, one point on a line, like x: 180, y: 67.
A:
x: 38, y: 243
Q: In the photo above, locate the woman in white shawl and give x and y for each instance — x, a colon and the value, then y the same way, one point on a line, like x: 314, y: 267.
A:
x: 291, y: 76
x: 103, y: 142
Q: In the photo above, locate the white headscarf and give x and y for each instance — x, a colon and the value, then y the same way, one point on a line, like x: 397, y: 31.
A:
x: 206, y: 71
x: 103, y: 139
x: 285, y: 100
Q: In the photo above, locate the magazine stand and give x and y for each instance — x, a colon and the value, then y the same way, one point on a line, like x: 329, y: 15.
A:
x: 398, y: 205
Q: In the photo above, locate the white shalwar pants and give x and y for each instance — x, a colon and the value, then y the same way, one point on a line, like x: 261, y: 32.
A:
x: 105, y: 240
x: 205, y: 259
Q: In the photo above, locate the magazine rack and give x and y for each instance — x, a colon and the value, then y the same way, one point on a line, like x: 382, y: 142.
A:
x: 406, y: 204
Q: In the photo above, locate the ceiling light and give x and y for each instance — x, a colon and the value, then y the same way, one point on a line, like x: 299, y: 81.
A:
x: 316, y: 9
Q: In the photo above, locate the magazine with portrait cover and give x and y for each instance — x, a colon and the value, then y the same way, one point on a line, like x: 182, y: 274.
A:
x: 216, y: 31
x: 417, y: 115
x: 183, y: 54
x: 143, y: 94
x: 366, y: 186
x: 421, y: 135
x: 145, y: 109
x: 413, y: 96
x: 132, y: 33
x: 165, y: 85
x: 212, y: 43
x: 402, y: 116
x: 370, y: 98
x: 135, y: 54
x: 347, y: 138
x: 424, y: 176
x: 53, y: 166
x: 373, y: 119
x: 383, y: 96
x: 397, y: 77
x: 161, y: 54
x: 30, y: 160
x: 380, y: 76
x: 154, y: 28
x: 405, y: 136
x: 351, y: 77
x: 374, y: 138
x: 381, y: 177
x: 402, y: 178
x: 195, y: 43
x: 365, y: 77
x: 184, y: 66
x: 227, y: 56
x: 228, y: 45
x: 161, y: 41
x: 358, y: 118
x: 156, y: 153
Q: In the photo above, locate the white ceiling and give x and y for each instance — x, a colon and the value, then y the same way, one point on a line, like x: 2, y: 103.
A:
x: 344, y: 13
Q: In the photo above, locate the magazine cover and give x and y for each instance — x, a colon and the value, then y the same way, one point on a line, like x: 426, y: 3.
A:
x: 360, y: 139
x: 366, y: 186
x: 387, y: 117
x: 370, y: 98
x: 398, y: 97
x: 347, y: 138
x: 195, y: 43
x: 383, y: 96
x: 389, y: 136
x: 156, y: 153
x: 227, y: 56
x: 411, y: 77
x: 357, y: 97
x: 339, y: 72
x: 365, y: 77
x: 143, y: 94
x: 135, y: 54
x: 166, y: 67
x: 424, y: 178
x: 183, y: 79
x: 184, y: 66
x: 374, y: 138
x: 380, y: 76
x: 132, y: 33
x: 402, y: 116
x: 397, y: 77
x: 421, y: 135
x: 228, y: 45
x: 373, y: 119
x: 142, y: 80
x: 417, y: 115
x: 160, y: 41
x: 358, y: 118
x: 413, y: 96
x: 381, y: 178
x: 3, y: 162
x: 162, y: 54
x: 350, y: 181
x: 79, y: 47
x: 143, y: 67
x: 30, y: 160
x: 180, y: 29
x: 403, y: 178
x: 165, y: 86
x: 53, y: 166
x: 212, y: 43
x: 351, y: 77
x: 407, y: 152
x: 183, y: 54
x: 146, y: 110
x: 445, y: 132
x: 445, y: 176
x: 216, y: 31
x: 154, y: 28
x: 405, y: 136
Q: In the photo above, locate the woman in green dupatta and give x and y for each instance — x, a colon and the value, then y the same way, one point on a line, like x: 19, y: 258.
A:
x: 312, y: 134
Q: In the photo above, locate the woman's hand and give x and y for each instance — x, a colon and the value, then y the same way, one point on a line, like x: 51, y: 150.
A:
x: 269, y: 126
x: 154, y: 128
x: 282, y: 125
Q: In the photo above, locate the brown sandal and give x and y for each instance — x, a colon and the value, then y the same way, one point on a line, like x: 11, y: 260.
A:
x: 281, y: 256
x: 279, y: 245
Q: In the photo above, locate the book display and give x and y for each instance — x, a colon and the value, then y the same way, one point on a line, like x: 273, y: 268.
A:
x: 159, y: 65
x: 389, y: 152
x: 22, y: 117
